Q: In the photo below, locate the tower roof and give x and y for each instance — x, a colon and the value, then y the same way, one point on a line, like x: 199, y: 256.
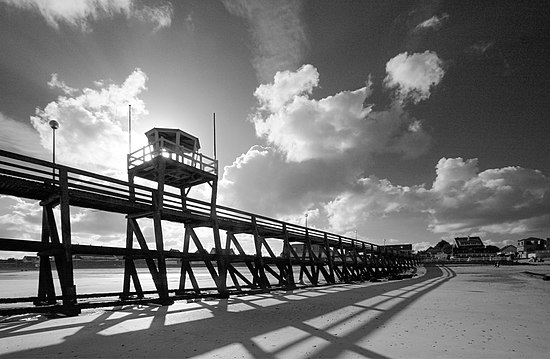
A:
x: 181, y: 138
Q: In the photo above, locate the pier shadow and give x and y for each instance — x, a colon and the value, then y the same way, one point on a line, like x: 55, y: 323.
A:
x: 326, y: 322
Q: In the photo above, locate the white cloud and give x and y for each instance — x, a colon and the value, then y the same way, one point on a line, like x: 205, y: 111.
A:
x: 160, y: 15
x: 278, y: 33
x: 79, y: 13
x: 20, y: 137
x: 502, y: 200
x: 334, y: 127
x: 510, y: 200
x: 261, y: 181
x: 370, y: 197
x: 286, y: 86
x: 414, y: 75
x: 318, y: 149
x: 56, y: 83
x: 435, y: 22
x: 19, y: 218
x: 93, y: 125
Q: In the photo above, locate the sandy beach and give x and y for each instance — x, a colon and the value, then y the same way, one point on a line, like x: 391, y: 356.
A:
x: 444, y: 312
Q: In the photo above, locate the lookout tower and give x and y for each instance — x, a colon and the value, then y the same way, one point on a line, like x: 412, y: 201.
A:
x: 171, y: 158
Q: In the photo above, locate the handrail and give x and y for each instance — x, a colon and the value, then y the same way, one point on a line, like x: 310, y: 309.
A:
x: 115, y: 188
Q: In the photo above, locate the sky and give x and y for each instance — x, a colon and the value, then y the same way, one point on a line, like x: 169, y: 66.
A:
x: 403, y: 122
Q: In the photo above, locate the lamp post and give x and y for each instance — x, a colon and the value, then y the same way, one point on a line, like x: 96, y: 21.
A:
x: 385, y: 250
x: 306, y: 218
x: 54, y: 125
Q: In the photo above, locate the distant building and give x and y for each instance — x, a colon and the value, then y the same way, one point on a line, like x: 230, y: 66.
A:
x: 469, y: 247
x: 433, y: 253
x: 402, y: 248
x: 469, y: 243
x: 531, y: 245
x: 30, y: 259
x: 224, y: 251
x: 509, y: 249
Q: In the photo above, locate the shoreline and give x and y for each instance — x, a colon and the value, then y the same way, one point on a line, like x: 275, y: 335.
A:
x: 446, y: 311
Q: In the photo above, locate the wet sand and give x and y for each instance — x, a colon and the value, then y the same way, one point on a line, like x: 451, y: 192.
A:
x: 445, y: 312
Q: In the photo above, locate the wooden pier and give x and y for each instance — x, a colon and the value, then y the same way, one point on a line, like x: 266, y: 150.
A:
x: 321, y: 257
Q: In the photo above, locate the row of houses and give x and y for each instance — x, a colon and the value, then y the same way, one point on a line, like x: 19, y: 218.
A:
x: 472, y: 247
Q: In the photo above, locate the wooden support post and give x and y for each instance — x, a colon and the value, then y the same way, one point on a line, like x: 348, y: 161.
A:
x: 159, y: 241
x: 221, y: 254
x: 343, y: 255
x: 183, y: 197
x: 131, y: 187
x: 249, y: 264
x: 201, y: 249
x: 311, y: 257
x: 46, y: 289
x: 303, y: 265
x: 286, y: 255
x: 128, y: 261
x: 260, y: 276
x: 130, y: 272
x: 68, y: 287
x: 161, y: 171
x: 186, y: 265
x: 329, y: 259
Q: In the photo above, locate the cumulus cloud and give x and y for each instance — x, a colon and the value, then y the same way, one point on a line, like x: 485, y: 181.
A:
x: 79, y: 13
x: 334, y: 127
x: 317, y: 149
x: 372, y: 196
x: 502, y: 200
x: 93, y: 125
x: 435, y: 22
x: 414, y: 75
x: 261, y: 181
x: 277, y: 31
x: 510, y: 200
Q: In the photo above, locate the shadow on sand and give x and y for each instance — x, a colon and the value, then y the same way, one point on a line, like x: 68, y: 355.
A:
x: 315, y: 322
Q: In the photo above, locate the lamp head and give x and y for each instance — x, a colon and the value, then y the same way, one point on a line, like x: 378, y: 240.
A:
x: 54, y: 124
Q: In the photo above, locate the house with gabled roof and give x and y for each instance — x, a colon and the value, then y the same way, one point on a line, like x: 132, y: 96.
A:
x: 469, y: 246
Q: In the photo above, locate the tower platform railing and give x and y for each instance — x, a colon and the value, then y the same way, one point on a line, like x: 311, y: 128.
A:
x: 173, y: 151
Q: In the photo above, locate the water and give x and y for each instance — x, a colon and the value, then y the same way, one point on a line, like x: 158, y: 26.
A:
x: 15, y: 284
x: 24, y: 283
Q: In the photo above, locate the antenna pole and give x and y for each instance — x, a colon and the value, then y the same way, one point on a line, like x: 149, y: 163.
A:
x: 129, y: 129
x: 215, y: 157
